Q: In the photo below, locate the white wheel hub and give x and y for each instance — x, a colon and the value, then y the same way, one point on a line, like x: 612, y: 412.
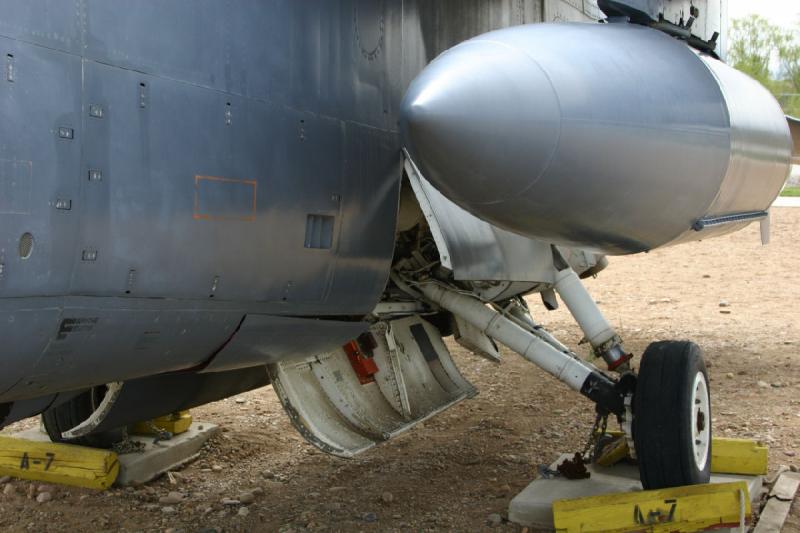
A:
x: 701, y: 421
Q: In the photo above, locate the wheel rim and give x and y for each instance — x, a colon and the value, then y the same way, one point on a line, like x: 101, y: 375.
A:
x: 701, y: 421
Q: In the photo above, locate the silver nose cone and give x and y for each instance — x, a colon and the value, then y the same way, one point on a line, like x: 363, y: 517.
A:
x: 482, y: 122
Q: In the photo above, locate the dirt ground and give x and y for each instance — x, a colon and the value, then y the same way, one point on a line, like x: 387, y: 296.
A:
x: 454, y: 471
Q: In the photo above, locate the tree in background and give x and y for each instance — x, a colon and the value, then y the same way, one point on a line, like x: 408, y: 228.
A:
x: 770, y: 55
x: 789, y: 52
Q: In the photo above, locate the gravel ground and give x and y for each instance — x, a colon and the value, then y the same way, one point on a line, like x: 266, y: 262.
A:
x: 735, y: 298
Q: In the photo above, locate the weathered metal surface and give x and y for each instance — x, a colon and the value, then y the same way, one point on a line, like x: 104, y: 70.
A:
x: 263, y: 339
x: 794, y: 127
x: 335, y: 411
x: 526, y: 130
x: 106, y: 134
x: 90, y: 346
x: 709, y: 16
x: 474, y: 249
x: 149, y: 397
x: 159, y: 182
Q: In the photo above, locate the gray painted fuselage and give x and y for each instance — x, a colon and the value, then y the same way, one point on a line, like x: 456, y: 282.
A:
x: 187, y: 168
x: 204, y: 185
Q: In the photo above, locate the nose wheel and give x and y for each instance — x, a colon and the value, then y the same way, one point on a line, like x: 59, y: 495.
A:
x: 672, y: 416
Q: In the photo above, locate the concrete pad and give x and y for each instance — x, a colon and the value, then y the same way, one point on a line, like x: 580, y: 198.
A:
x: 533, y: 507
x: 154, y: 459
x: 138, y: 468
x: 787, y: 201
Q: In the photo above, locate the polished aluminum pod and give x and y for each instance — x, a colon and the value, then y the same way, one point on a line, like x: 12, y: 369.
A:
x: 613, y: 137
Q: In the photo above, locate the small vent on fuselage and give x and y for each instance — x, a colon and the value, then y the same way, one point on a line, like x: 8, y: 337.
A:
x: 319, y: 231
x: 25, y: 245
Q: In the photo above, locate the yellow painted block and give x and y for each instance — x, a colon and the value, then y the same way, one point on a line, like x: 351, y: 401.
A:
x: 613, y: 453
x: 62, y: 464
x: 175, y: 423
x: 728, y: 456
x: 692, y: 508
x: 738, y: 456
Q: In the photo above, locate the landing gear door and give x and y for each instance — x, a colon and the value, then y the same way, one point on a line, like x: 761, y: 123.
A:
x: 348, y: 400
x: 474, y: 249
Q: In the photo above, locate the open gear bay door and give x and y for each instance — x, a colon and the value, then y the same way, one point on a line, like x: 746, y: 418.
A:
x: 348, y: 400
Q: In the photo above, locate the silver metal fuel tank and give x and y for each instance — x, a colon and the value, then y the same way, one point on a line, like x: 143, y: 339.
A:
x: 612, y: 137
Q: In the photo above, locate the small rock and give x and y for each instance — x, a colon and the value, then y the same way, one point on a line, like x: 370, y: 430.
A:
x: 273, y: 486
x: 216, y: 468
x: 258, y: 491
x: 4, y: 480
x: 387, y: 497
x: 244, y: 511
x: 168, y: 510
x: 725, y: 311
x: 9, y: 490
x: 44, y: 488
x: 729, y: 375
x: 706, y: 276
x: 369, y: 517
x: 239, y: 400
x: 247, y: 498
x: 44, y: 497
x: 776, y: 385
x: 794, y: 468
x: 724, y: 303
x: 230, y: 502
x: 789, y: 453
x: 172, y: 498
x: 763, y: 384
x: 494, y: 520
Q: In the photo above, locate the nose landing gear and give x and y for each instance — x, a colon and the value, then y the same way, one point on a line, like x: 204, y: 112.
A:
x: 665, y: 412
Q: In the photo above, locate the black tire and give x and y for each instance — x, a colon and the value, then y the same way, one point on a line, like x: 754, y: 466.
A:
x: 71, y: 413
x: 664, y: 434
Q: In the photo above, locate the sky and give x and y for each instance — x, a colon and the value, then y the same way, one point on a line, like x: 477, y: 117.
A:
x: 784, y: 13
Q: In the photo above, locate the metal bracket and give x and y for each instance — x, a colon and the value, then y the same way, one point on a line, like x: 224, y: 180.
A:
x: 627, y: 425
x: 734, y: 218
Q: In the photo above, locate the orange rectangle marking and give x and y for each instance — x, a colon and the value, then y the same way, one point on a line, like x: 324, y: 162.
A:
x: 218, y: 198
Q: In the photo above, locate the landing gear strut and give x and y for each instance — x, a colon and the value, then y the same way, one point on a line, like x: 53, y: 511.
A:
x: 665, y: 412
